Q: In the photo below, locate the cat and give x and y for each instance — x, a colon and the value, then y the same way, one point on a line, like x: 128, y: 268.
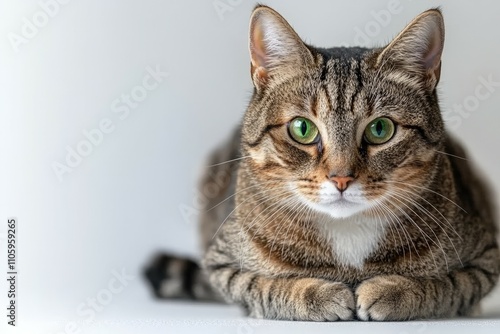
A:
x: 342, y: 196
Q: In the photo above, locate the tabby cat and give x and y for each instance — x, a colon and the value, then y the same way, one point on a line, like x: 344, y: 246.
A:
x: 342, y: 196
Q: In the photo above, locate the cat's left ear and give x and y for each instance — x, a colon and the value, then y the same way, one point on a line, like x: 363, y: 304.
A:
x: 417, y: 49
x: 276, y: 51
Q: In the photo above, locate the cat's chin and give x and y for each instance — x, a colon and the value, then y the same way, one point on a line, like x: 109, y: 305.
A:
x: 340, y: 209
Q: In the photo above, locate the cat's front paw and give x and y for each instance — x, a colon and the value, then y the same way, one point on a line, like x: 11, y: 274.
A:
x: 328, y: 302
x: 387, y: 298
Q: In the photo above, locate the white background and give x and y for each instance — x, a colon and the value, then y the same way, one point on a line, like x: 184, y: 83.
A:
x: 123, y: 201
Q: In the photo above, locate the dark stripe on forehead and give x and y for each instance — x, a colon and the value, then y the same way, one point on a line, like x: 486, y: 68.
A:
x: 359, y: 75
x: 342, y: 68
x: 324, y: 71
x: 339, y: 82
x: 355, y: 77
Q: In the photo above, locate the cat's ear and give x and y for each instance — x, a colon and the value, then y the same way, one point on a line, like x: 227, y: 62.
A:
x: 417, y: 49
x: 275, y: 48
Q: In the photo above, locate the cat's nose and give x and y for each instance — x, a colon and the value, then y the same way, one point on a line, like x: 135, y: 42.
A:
x: 341, y: 182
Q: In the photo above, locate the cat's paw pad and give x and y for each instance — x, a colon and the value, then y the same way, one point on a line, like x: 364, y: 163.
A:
x: 329, y: 302
x: 385, y: 298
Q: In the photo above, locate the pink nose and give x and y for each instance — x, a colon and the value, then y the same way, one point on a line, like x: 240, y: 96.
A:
x: 341, y: 182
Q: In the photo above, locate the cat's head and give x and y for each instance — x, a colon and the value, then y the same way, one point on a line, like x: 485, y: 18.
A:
x: 342, y: 130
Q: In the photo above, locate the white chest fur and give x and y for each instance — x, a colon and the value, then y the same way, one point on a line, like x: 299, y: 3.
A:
x: 353, y: 239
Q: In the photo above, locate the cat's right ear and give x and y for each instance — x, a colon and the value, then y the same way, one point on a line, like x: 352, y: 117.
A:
x: 276, y: 50
x: 417, y: 50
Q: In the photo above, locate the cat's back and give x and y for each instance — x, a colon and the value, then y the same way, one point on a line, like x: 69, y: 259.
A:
x: 472, y: 189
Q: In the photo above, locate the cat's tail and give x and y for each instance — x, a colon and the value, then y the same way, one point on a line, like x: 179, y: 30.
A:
x: 174, y: 277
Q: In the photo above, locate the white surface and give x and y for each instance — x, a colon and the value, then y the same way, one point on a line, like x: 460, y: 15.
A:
x: 135, y: 312
x: 125, y: 200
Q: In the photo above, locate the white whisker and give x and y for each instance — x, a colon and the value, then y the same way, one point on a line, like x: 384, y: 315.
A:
x: 397, y: 220
x: 438, y: 244
x: 430, y: 215
x: 292, y: 215
x: 452, y: 155
x: 220, y: 226
x: 430, y: 190
x: 422, y: 232
x: 239, y: 191
x: 226, y: 162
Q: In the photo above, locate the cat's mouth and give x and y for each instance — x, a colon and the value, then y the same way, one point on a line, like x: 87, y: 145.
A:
x: 332, y: 197
x: 343, y: 207
x: 343, y: 202
x: 340, y: 206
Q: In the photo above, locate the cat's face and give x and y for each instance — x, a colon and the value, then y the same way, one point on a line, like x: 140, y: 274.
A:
x: 343, y: 131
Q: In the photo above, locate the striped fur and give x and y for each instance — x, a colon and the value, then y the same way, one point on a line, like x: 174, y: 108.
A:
x: 414, y: 235
x: 174, y: 277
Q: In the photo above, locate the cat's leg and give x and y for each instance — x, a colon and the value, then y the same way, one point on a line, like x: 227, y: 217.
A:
x: 285, y: 298
x: 307, y: 299
x: 395, y: 297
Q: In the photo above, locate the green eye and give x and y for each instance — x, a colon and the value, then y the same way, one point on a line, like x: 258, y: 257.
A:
x: 303, y: 131
x: 379, y: 131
